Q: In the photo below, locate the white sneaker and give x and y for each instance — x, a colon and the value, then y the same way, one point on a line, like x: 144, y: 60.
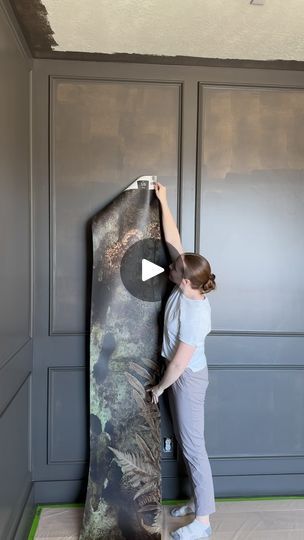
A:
x: 181, y: 511
x: 193, y: 531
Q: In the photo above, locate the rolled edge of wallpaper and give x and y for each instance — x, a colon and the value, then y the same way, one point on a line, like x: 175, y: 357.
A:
x: 143, y: 182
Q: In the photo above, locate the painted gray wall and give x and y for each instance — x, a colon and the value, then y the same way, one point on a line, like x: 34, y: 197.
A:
x: 16, y: 279
x: 106, y: 127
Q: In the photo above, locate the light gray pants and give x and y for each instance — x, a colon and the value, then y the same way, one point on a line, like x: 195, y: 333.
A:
x: 187, y: 400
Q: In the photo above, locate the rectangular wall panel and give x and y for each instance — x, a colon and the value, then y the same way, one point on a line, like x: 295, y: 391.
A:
x: 15, y: 443
x: 103, y: 136
x: 67, y: 426
x: 15, y: 209
x: 256, y: 413
x: 252, y: 182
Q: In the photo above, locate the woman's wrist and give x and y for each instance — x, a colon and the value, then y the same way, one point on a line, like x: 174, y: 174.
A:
x: 164, y: 204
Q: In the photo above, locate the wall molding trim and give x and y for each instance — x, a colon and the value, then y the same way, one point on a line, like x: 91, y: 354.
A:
x: 22, y: 45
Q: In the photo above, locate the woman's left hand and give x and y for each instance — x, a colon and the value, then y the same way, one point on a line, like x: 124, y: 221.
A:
x: 156, y: 391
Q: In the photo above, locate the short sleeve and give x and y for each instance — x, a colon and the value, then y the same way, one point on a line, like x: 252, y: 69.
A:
x: 192, y: 328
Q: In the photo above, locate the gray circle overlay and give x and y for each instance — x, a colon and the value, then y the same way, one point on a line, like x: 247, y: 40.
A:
x: 156, y: 251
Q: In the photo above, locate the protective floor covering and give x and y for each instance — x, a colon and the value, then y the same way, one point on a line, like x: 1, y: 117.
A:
x: 276, y: 519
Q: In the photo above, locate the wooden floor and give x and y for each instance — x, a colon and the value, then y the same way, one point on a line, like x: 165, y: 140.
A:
x: 277, y: 519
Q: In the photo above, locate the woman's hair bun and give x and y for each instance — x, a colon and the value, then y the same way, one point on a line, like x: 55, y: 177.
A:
x: 210, y: 284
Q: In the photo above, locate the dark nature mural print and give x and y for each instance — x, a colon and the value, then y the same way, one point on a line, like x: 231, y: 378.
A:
x: 123, y: 498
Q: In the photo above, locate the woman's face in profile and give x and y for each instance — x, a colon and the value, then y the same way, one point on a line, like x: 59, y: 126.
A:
x: 176, y: 271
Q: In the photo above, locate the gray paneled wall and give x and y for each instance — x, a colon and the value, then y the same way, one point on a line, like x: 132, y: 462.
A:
x: 16, y: 347
x: 227, y: 143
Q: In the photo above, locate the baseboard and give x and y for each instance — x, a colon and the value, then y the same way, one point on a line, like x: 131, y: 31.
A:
x: 246, y: 487
x: 240, y: 486
x: 60, y: 491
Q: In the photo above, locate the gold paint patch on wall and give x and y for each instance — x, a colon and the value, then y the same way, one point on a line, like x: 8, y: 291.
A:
x: 252, y: 129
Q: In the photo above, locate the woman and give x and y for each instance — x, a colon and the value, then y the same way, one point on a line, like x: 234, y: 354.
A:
x: 187, y: 321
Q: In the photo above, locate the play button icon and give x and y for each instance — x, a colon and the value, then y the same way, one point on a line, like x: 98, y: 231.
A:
x: 149, y: 270
x: 144, y: 269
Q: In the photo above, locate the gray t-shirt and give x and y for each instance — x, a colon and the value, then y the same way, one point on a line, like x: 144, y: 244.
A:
x: 189, y: 321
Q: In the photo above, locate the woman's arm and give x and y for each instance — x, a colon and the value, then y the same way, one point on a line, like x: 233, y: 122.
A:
x: 174, y: 370
x: 171, y: 233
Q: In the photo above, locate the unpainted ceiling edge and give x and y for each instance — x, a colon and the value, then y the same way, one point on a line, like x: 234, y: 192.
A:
x: 292, y: 65
x: 33, y: 19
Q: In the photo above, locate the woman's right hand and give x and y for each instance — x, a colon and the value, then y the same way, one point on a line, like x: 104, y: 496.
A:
x: 156, y: 391
x: 161, y: 192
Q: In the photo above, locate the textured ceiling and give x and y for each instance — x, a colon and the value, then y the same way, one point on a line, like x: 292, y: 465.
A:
x: 234, y: 29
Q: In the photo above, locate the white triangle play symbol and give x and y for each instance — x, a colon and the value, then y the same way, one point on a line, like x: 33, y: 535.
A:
x: 149, y: 269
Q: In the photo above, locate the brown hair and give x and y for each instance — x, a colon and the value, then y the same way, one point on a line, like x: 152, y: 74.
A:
x: 198, y: 270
